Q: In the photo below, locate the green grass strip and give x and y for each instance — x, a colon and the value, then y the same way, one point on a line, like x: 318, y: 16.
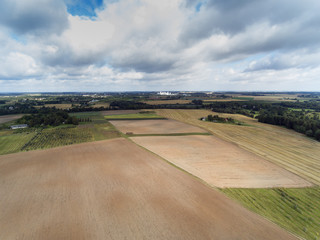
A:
x: 295, y: 209
x: 167, y: 134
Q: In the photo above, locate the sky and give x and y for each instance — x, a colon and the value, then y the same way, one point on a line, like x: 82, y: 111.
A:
x: 152, y: 45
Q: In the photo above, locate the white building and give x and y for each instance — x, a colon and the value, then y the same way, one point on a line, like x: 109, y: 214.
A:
x: 19, y: 126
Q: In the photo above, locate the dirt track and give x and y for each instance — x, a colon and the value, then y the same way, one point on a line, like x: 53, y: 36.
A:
x: 155, y: 127
x: 220, y: 163
x: 114, y: 189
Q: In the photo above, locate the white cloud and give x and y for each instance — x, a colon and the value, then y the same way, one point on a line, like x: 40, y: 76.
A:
x: 149, y: 44
x: 17, y: 65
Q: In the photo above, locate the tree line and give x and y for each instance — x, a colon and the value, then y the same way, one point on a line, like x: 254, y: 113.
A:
x: 49, y: 117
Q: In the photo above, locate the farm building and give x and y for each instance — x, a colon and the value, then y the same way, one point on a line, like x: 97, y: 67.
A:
x: 19, y: 126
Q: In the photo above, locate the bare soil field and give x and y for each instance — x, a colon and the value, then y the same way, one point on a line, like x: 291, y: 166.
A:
x: 114, y: 189
x: 155, y: 127
x: 293, y: 151
x: 220, y: 163
x: 8, y: 118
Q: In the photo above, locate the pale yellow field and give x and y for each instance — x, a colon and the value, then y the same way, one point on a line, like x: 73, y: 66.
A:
x: 289, y: 149
x: 220, y: 163
x: 97, y: 105
x: 59, y: 106
x: 155, y: 127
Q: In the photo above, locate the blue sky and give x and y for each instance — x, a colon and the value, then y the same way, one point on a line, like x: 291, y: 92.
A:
x: 83, y: 7
x: 137, y: 45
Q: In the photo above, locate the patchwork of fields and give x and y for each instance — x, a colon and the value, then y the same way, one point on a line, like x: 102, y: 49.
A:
x: 295, y: 209
x: 284, y: 147
x: 220, y: 163
x: 155, y: 127
x: 32, y: 139
x: 114, y: 189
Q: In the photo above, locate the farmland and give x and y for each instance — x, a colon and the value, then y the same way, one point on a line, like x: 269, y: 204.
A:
x: 32, y: 139
x: 140, y: 115
x: 159, y: 102
x: 297, y: 210
x: 11, y: 143
x: 59, y: 106
x: 55, y: 137
x: 8, y: 118
x: 220, y: 163
x: 95, y: 117
x: 283, y: 147
x: 98, y: 191
x: 268, y: 169
x: 155, y: 127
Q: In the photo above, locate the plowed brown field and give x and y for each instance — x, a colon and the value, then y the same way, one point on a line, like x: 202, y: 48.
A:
x: 220, y: 163
x: 114, y: 189
x: 8, y: 118
x: 155, y: 127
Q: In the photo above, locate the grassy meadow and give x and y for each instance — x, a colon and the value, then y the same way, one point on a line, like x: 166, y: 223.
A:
x: 295, y: 209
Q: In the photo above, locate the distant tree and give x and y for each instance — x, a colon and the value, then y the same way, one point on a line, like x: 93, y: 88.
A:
x: 197, y: 102
x: 317, y: 134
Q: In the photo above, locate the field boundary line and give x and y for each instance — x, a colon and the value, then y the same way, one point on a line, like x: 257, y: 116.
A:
x: 214, y: 188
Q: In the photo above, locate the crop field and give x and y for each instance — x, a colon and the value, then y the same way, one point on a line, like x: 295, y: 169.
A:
x: 101, y: 104
x: 101, y: 131
x: 8, y: 118
x: 95, y: 117
x: 11, y: 143
x: 268, y: 97
x: 297, y: 210
x: 114, y: 189
x: 220, y: 163
x: 119, y: 112
x: 55, y: 137
x: 286, y: 148
x: 133, y: 116
x: 155, y: 127
x: 159, y: 102
x: 59, y: 105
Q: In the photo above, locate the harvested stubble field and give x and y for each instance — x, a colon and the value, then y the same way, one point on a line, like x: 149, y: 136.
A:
x: 220, y: 163
x: 284, y: 147
x: 133, y: 116
x: 155, y: 127
x: 114, y: 189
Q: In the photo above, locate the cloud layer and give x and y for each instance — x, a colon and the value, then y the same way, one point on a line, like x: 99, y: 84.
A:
x: 159, y: 45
